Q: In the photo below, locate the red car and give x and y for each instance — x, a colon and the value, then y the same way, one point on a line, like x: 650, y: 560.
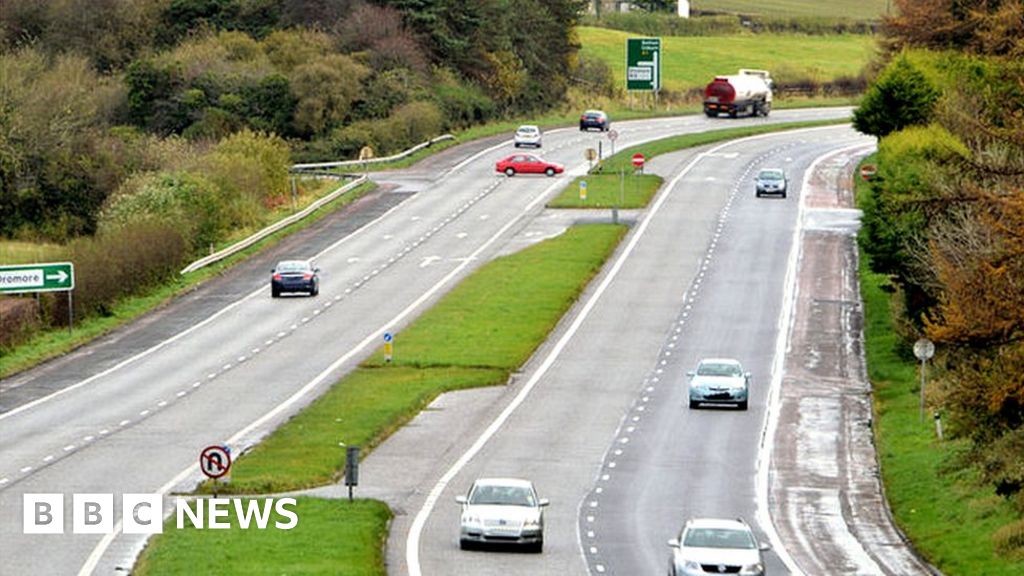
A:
x: 527, y: 164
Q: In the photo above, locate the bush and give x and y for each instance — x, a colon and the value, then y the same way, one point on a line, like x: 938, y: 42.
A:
x: 251, y: 167
x: 462, y: 105
x: 596, y: 76
x: 18, y: 318
x: 901, y: 97
x: 1009, y: 540
x: 121, y: 261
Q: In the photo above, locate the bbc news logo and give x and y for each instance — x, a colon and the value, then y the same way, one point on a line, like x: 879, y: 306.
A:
x: 143, y: 513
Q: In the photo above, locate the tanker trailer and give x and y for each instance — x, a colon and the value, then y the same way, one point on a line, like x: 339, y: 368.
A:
x: 749, y: 92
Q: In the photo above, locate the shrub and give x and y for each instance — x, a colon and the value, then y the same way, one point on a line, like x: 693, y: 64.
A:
x: 411, y: 124
x: 1009, y: 540
x: 18, y: 318
x: 249, y: 167
x: 462, y: 105
x: 596, y: 76
x: 901, y: 96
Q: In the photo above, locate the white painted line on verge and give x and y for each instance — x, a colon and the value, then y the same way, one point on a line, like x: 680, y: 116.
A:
x: 784, y: 326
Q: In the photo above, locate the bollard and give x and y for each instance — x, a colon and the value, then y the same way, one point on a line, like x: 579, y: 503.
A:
x: 938, y: 425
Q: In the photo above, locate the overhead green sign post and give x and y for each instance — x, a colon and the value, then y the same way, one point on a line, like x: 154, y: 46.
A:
x: 50, y: 277
x: 643, y: 64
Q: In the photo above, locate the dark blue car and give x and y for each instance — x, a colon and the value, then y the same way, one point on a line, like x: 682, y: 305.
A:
x: 294, y: 276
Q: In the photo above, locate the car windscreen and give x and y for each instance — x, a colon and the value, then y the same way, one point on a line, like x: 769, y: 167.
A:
x: 718, y: 538
x: 292, y: 266
x: 716, y: 369
x: 770, y: 175
x: 502, y: 496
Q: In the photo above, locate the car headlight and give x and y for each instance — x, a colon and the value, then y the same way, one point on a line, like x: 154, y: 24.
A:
x: 691, y: 565
x: 752, y: 569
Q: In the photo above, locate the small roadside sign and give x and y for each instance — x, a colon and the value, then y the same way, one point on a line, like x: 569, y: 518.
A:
x: 638, y: 160
x: 365, y: 153
x: 868, y: 171
x: 612, y: 135
x: 215, y: 461
x: 583, y: 189
x: 388, y: 346
x: 50, y: 277
x: 590, y: 154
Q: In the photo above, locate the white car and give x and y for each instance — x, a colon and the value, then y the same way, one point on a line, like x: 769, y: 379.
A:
x: 502, y: 511
x: 527, y: 135
x: 713, y: 546
x: 719, y: 381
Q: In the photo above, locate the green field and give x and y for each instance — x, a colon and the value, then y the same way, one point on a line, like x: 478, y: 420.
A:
x: 855, y: 9
x: 691, y: 62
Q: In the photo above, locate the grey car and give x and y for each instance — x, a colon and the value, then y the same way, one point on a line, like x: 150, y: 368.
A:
x: 719, y: 381
x: 716, y: 546
x: 502, y: 511
x: 771, y: 181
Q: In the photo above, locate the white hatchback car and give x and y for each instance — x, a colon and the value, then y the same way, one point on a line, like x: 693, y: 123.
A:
x: 714, y: 546
x: 502, y: 511
x: 528, y: 135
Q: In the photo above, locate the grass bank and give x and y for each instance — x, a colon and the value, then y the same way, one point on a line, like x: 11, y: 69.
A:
x: 57, y: 341
x: 331, y: 537
x: 476, y: 335
x: 860, y: 9
x: 948, y: 514
x: 691, y: 62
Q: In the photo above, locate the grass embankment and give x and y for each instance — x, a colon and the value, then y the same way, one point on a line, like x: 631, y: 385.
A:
x: 603, y: 186
x: 691, y: 62
x: 857, y: 9
x: 331, y: 537
x: 946, y: 512
x: 57, y: 341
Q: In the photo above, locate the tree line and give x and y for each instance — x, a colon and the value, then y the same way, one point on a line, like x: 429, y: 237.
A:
x: 945, y: 215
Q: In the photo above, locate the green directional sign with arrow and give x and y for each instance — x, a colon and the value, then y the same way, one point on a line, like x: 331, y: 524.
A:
x: 51, y: 277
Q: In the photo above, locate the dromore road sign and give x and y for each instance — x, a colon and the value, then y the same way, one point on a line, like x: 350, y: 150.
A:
x: 643, y: 64
x: 52, y: 277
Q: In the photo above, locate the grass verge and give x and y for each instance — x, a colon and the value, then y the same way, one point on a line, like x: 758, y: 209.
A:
x: 331, y: 537
x: 948, y: 514
x: 476, y: 335
x: 55, y: 342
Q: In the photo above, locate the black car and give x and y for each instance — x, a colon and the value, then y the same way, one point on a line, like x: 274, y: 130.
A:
x: 294, y: 276
x: 594, y: 119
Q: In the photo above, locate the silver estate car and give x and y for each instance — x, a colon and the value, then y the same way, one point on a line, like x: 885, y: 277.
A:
x: 502, y: 511
x: 719, y: 381
x: 714, y: 546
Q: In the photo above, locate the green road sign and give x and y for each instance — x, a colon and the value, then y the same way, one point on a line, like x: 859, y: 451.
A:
x: 52, y: 277
x: 643, y: 64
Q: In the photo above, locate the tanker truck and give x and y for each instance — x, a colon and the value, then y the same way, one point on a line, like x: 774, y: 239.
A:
x: 748, y: 92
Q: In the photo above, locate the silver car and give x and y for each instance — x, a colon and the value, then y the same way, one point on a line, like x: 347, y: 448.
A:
x: 719, y: 381
x: 771, y: 181
x: 527, y: 135
x: 502, y: 511
x: 714, y: 546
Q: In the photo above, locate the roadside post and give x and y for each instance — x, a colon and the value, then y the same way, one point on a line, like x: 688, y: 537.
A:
x: 365, y: 153
x: 215, y: 462
x: 35, y: 278
x: 388, y: 346
x: 351, y: 468
x: 583, y: 189
x: 590, y: 155
x: 612, y: 135
x: 924, y: 349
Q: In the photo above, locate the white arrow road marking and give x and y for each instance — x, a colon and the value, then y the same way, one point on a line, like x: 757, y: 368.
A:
x: 428, y: 260
x: 461, y: 235
x: 353, y: 260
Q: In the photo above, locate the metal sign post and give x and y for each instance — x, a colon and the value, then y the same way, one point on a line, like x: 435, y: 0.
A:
x: 923, y: 350
x: 388, y: 346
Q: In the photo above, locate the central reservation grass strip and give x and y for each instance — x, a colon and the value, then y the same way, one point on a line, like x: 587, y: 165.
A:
x: 948, y: 514
x: 331, y: 537
x: 476, y: 335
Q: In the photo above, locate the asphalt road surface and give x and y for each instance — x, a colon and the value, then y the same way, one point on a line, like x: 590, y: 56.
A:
x: 130, y: 413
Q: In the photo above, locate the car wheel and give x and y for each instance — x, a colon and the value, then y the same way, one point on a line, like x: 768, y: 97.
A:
x: 517, y: 144
x: 538, y: 547
x: 510, y: 171
x: 783, y: 194
x: 315, y: 291
x: 275, y: 293
x: 694, y: 404
x: 464, y: 544
x: 757, y: 193
x: 550, y: 171
x: 742, y: 405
